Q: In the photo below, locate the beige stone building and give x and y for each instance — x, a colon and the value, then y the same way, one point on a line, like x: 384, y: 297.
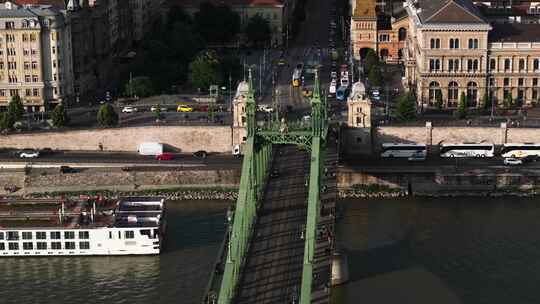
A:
x: 452, y: 49
x: 34, y: 56
x: 277, y: 12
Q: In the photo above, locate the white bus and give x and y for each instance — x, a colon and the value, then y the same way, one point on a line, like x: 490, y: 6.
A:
x: 467, y: 150
x: 417, y: 151
x: 517, y: 150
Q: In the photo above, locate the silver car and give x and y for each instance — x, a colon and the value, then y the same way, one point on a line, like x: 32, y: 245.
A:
x: 29, y: 154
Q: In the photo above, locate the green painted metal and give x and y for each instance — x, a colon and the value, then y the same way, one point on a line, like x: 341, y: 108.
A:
x: 257, y: 158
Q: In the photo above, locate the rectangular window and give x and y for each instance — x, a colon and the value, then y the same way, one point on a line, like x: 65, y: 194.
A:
x: 34, y: 65
x: 1, y: 236
x: 110, y: 234
x: 84, y: 235
x: 506, y: 82
x: 70, y: 245
x: 492, y: 82
x: 13, y: 246
x: 84, y: 245
x: 128, y: 234
x: 68, y: 235
x: 41, y: 245
x: 35, y: 78
x: 28, y: 246
x: 41, y: 235
x: 55, y: 235
x: 35, y: 92
x: 56, y: 245
x: 28, y: 92
x: 521, y: 81
x: 535, y: 82
x: 13, y: 236
x: 2, y: 247
x: 535, y: 94
x: 27, y: 235
x: 27, y: 78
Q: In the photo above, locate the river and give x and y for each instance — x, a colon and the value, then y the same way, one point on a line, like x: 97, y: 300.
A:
x: 433, y: 250
x: 179, y: 275
x: 456, y: 250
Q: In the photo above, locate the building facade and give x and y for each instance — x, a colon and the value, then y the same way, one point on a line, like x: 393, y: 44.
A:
x: 277, y: 12
x: 35, y: 56
x: 453, y: 50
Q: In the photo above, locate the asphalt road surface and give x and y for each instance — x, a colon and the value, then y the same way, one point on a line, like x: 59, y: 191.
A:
x: 273, y: 270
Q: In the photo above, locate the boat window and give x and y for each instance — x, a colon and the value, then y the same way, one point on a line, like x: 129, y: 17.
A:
x: 1, y: 235
x: 27, y: 235
x: 13, y: 236
x: 13, y: 246
x: 84, y: 245
x: 70, y: 245
x: 84, y: 235
x: 69, y: 235
x: 55, y: 235
x: 41, y: 245
x: 41, y: 235
x: 56, y: 245
x: 129, y: 234
x: 110, y: 234
x: 146, y: 232
x: 119, y: 234
x: 28, y: 246
x: 2, y: 246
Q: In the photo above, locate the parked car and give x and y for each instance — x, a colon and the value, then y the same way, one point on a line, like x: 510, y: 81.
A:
x: 154, y: 109
x: 28, y: 153
x: 200, y: 154
x: 530, y: 158
x: 165, y: 156
x: 67, y: 169
x: 265, y: 108
x: 129, y: 109
x: 513, y: 161
x: 183, y: 108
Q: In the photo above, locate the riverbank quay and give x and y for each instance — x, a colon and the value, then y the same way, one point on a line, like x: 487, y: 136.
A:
x: 361, y: 179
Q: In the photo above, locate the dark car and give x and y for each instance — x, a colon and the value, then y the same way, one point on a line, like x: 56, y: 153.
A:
x: 201, y: 154
x: 67, y: 169
x: 530, y: 158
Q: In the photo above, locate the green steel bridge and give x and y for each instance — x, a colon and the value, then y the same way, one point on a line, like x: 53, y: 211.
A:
x: 279, y: 244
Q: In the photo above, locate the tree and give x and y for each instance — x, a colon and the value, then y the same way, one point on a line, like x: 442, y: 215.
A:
x: 107, y: 116
x: 406, y: 107
x: 204, y: 70
x: 375, y: 76
x: 438, y: 100
x: 16, y: 108
x: 230, y: 65
x: 217, y: 24
x: 507, y: 102
x: 258, y: 30
x: 462, y: 106
x: 59, y: 116
x: 371, y: 60
x: 157, y: 112
x: 6, y: 121
x: 139, y: 86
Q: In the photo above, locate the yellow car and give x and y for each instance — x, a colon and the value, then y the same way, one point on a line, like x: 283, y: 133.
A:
x: 307, y: 93
x: 184, y: 109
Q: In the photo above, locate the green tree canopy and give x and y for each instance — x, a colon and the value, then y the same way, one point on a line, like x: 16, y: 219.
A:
x: 6, y: 121
x: 375, y: 76
x: 16, y: 108
x: 508, y: 101
x: 371, y: 60
x: 107, y: 116
x: 230, y: 65
x: 139, y: 86
x: 462, y: 106
x: 438, y: 100
x: 406, y: 107
x: 217, y: 24
x: 59, y: 116
x: 258, y: 30
x: 486, y: 101
x: 205, y: 70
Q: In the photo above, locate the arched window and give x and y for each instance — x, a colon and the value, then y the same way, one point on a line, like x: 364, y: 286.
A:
x: 454, y: 43
x: 434, y: 92
x: 472, y: 94
x: 507, y: 64
x: 402, y: 34
x: 435, y: 43
x: 536, y: 64
x: 453, y: 90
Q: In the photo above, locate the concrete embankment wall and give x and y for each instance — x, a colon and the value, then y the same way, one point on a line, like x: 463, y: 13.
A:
x: 445, y: 182
x: 94, y: 179
x: 178, y: 138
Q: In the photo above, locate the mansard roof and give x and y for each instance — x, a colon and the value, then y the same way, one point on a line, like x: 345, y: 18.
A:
x: 449, y: 12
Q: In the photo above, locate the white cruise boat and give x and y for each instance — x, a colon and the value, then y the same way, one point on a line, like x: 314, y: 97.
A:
x: 127, y: 226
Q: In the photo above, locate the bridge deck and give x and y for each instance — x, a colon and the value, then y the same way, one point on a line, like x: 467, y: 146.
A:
x: 273, y: 270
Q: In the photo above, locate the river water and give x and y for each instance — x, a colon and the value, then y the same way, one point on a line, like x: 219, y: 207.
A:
x: 458, y: 250
x: 195, y: 231
x: 455, y: 250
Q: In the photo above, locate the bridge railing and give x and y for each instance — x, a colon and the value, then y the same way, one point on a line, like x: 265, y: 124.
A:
x: 257, y: 159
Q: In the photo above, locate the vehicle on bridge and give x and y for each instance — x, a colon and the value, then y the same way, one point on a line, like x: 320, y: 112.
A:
x: 296, y: 77
x: 467, y: 150
x: 184, y: 108
x: 517, y: 150
x: 341, y: 93
x: 411, y: 151
x: 29, y: 153
x: 332, y: 88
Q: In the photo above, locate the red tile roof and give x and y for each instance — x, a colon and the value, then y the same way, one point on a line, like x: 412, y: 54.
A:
x: 196, y: 3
